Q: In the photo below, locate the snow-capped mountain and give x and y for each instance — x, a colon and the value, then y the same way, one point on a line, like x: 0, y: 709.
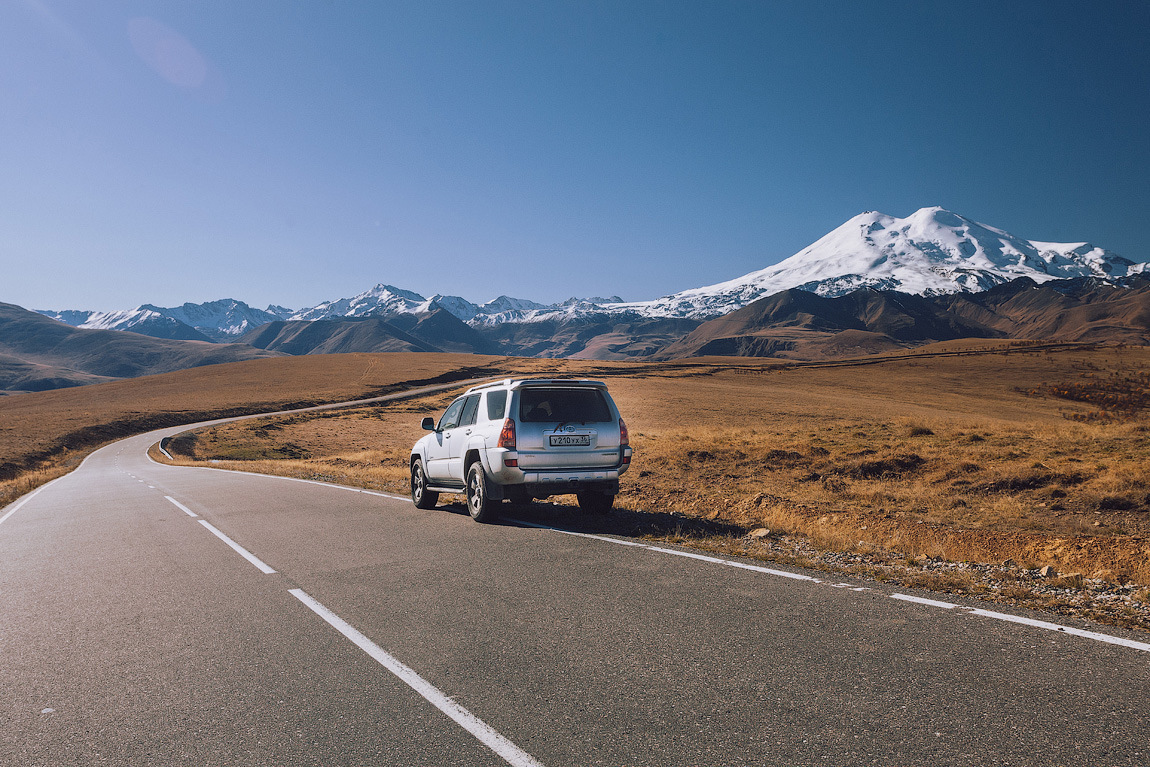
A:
x: 384, y: 300
x: 931, y: 252
x: 380, y: 300
x: 222, y: 320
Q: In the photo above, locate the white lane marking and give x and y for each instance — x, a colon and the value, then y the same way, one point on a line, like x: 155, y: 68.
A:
x: 577, y: 535
x: 263, y: 568
x: 182, y: 507
x: 507, y: 750
x: 921, y: 601
x: 1145, y: 647
x: 20, y: 504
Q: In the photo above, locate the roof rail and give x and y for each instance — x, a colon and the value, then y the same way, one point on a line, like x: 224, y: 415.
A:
x: 517, y: 382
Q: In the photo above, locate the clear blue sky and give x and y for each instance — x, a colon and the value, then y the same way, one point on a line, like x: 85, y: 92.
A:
x: 292, y: 152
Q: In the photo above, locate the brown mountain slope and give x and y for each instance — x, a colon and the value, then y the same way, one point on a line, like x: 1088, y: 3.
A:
x: 38, y: 353
x: 368, y: 334
x: 606, y: 337
x: 1066, y: 310
x: 800, y: 325
x: 445, y: 331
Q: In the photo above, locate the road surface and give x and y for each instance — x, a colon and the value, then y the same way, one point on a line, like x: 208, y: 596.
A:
x: 156, y: 615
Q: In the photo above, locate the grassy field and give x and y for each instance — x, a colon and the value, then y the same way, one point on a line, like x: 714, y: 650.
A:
x: 45, y: 433
x: 1024, y: 454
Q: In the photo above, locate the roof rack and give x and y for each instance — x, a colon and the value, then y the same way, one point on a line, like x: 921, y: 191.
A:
x: 517, y: 382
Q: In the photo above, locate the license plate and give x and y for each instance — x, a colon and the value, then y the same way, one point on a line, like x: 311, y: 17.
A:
x: 570, y: 440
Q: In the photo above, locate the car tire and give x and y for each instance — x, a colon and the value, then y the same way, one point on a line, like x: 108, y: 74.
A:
x: 420, y: 495
x: 595, y: 503
x: 479, y: 503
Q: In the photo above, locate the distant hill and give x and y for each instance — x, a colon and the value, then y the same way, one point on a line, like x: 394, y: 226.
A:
x: 1065, y: 310
x: 796, y: 324
x: 368, y: 334
x: 38, y: 353
x: 599, y: 337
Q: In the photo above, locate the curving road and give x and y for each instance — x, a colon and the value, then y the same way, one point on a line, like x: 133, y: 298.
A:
x: 154, y: 615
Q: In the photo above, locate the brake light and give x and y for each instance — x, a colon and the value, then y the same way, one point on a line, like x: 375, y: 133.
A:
x: 507, y: 435
x: 623, y: 438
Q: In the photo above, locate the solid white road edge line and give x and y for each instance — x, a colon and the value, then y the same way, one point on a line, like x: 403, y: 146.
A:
x: 291, y: 479
x: 507, y: 750
x: 22, y: 501
x: 182, y: 507
x: 1145, y: 647
x: 902, y: 597
x: 263, y: 568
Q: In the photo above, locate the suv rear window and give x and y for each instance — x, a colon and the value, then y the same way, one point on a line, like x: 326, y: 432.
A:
x: 563, y: 406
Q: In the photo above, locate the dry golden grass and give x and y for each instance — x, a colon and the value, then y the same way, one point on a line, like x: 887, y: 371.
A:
x: 42, y: 429
x: 942, y: 456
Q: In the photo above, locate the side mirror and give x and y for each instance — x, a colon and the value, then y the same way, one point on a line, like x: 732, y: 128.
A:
x: 428, y: 423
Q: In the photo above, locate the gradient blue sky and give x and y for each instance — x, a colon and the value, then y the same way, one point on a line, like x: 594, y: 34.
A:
x: 292, y: 152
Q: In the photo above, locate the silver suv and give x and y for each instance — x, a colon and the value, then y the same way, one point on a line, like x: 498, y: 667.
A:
x: 523, y: 439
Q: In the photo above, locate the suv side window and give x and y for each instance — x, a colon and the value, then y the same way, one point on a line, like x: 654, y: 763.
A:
x: 496, y: 404
x: 450, y: 417
x: 470, y: 408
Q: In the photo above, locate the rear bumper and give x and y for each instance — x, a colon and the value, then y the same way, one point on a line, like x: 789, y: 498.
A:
x: 554, y: 481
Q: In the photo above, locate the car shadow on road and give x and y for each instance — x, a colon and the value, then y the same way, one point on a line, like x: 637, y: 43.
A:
x: 626, y: 523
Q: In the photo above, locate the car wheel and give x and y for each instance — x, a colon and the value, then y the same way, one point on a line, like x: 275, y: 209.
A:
x: 595, y: 503
x: 420, y: 495
x: 479, y: 503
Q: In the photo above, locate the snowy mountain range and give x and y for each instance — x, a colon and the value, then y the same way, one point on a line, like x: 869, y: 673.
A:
x: 931, y: 252
x: 223, y: 320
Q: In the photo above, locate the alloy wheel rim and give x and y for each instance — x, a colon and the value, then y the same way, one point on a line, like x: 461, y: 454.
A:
x: 476, y: 495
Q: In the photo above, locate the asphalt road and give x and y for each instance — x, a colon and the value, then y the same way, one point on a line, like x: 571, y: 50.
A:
x: 132, y: 634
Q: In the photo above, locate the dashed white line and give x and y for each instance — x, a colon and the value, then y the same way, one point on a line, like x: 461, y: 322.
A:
x: 507, y: 750
x: 260, y: 564
x: 181, y: 506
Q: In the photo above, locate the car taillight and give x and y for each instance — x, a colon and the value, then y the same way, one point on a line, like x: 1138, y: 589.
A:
x: 623, y: 438
x: 507, y: 435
